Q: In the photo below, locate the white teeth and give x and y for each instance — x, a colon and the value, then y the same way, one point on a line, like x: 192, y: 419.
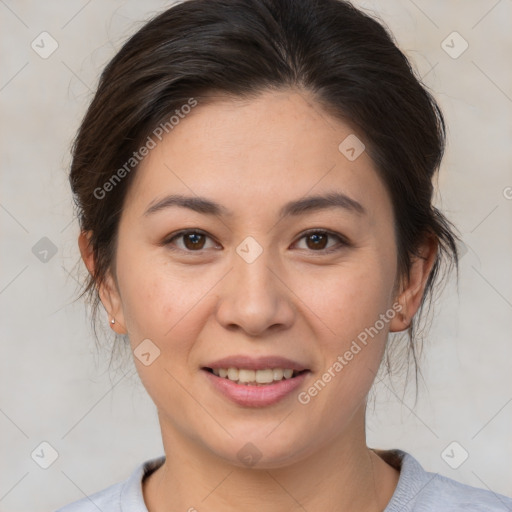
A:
x: 278, y: 373
x: 288, y: 374
x: 245, y: 376
x: 264, y: 376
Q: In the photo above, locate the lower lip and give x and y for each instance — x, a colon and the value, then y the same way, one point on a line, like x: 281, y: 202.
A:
x: 255, y: 396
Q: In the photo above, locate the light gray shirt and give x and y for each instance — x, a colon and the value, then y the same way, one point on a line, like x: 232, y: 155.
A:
x: 417, y: 491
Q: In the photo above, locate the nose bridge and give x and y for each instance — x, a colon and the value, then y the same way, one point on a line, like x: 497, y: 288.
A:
x: 252, y: 270
x: 253, y: 298
x: 253, y: 278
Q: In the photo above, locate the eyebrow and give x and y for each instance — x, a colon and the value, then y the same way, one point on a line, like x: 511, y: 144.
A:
x: 298, y: 207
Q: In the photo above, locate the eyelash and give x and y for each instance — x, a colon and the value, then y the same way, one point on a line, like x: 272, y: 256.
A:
x: 342, y: 241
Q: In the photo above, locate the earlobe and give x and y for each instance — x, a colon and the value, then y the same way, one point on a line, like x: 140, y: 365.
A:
x: 411, y: 297
x: 401, y: 321
x: 111, y: 301
x: 107, y: 290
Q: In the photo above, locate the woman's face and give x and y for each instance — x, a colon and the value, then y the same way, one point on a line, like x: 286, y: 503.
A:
x: 252, y: 283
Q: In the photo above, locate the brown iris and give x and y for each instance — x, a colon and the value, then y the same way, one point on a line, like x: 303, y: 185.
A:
x: 194, y: 240
x: 319, y: 240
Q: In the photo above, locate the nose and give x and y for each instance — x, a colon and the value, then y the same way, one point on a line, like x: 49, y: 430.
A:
x: 255, y: 298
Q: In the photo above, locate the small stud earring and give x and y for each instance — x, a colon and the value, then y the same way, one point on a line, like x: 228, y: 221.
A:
x: 112, y: 321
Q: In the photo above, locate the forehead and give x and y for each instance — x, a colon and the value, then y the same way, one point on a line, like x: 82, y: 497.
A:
x: 246, y: 153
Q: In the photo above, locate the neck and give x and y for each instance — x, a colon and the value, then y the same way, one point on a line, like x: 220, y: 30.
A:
x: 344, y: 475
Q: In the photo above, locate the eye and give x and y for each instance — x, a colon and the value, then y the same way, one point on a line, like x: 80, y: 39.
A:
x: 317, y: 241
x: 193, y: 240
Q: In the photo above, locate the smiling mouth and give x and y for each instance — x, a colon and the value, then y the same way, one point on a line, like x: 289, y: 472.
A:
x: 248, y: 377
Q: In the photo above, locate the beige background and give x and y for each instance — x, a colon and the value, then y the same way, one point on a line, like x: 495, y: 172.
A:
x: 54, y: 388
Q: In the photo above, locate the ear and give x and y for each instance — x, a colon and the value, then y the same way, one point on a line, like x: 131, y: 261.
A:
x: 410, y: 297
x: 108, y: 291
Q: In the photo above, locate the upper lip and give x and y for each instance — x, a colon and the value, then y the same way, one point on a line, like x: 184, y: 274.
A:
x: 256, y: 363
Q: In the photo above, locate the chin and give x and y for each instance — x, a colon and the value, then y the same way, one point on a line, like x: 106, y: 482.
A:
x: 260, y: 450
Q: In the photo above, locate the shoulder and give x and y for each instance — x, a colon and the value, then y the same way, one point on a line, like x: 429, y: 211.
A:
x: 455, y: 496
x: 107, y: 499
x: 123, y: 496
x: 422, y: 491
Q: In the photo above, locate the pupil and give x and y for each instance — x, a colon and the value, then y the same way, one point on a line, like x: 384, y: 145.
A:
x: 315, y: 237
x: 192, y: 240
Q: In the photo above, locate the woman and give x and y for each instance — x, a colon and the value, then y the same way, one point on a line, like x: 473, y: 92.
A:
x: 254, y: 188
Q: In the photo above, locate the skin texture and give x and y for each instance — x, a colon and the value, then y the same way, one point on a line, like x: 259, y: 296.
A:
x: 294, y: 300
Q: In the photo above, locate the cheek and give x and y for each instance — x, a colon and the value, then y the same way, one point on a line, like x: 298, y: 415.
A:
x: 349, y: 298
x: 350, y: 304
x: 170, y: 313
x: 164, y: 304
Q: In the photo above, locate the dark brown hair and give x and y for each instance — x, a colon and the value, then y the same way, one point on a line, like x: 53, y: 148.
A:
x: 346, y: 59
